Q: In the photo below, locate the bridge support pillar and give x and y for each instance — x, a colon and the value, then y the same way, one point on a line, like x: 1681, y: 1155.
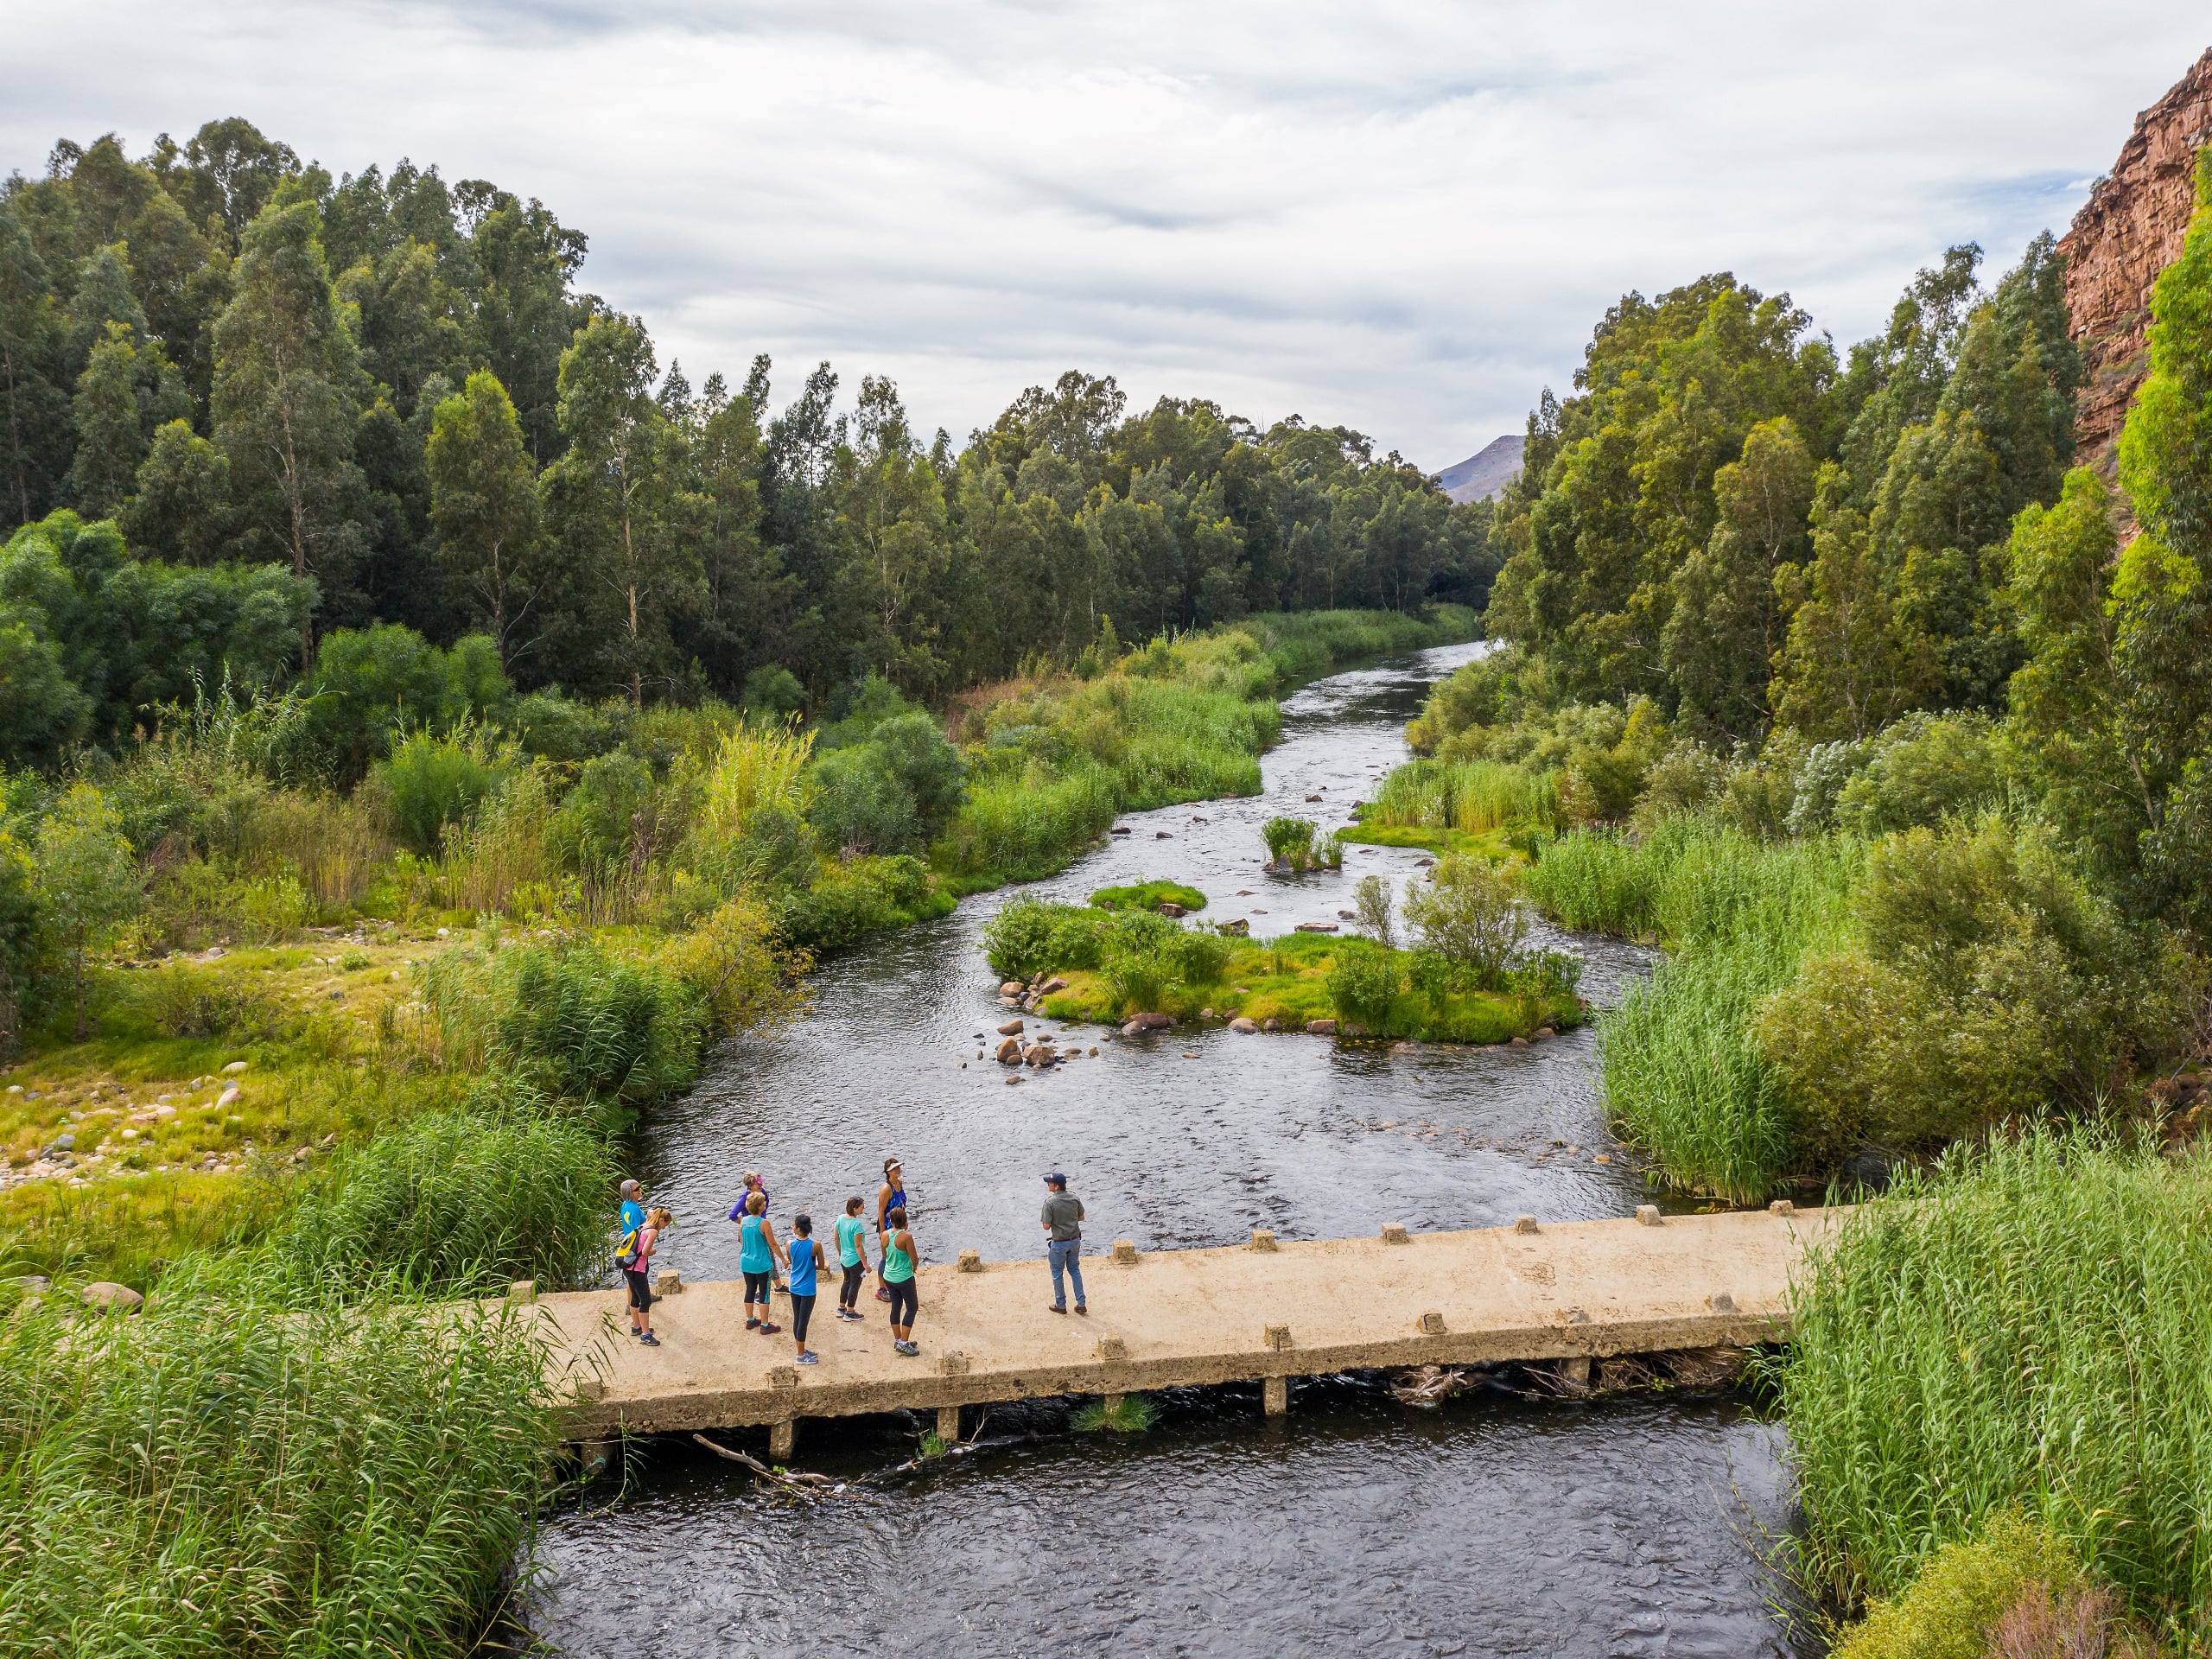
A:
x: 783, y: 1440
x: 1575, y: 1373
x: 948, y: 1423
x: 1274, y: 1394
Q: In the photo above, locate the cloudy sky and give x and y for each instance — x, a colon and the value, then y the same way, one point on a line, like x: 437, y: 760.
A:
x: 1406, y: 216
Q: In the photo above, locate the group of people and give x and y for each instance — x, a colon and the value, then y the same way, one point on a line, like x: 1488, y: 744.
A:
x: 805, y: 1261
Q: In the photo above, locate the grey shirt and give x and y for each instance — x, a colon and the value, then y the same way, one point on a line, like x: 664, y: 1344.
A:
x: 1061, y: 1215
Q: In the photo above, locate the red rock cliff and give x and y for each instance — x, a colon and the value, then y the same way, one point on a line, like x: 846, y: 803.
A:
x: 2129, y: 231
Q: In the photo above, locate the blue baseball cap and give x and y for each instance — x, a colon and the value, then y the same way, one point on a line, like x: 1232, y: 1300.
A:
x: 1056, y: 1179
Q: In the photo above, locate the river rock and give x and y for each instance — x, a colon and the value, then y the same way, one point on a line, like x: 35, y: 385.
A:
x: 234, y: 1068
x: 1041, y: 1054
x: 1320, y: 1027
x: 1121, y: 829
x: 1424, y: 864
x: 1272, y: 1025
x: 1161, y: 834
x: 1138, y: 1023
x: 1317, y: 927
x: 1169, y: 907
x: 229, y: 1097
x: 1055, y: 984
x: 1242, y: 1023
x: 1313, y: 798
x: 1012, y: 1028
x: 1010, y: 1051
x: 105, y: 1294
x: 1239, y: 929
x: 1012, y: 987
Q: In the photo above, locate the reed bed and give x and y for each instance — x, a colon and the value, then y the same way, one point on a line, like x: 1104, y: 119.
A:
x: 1473, y: 796
x: 1683, y: 1075
x: 2026, y: 1328
x: 224, y: 1473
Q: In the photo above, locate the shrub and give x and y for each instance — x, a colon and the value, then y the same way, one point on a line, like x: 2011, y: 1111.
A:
x: 1953, y: 1606
x: 210, y: 1003
x: 371, y: 684
x: 773, y: 690
x: 736, y: 962
x: 1290, y: 841
x: 458, y: 1203
x: 852, y: 898
x: 431, y: 784
x: 1362, y: 983
x: 605, y: 814
x: 1920, y: 770
x: 1373, y: 899
x: 1027, y: 825
x: 1470, y: 914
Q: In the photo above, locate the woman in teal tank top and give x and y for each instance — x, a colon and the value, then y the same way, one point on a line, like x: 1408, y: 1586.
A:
x: 758, y: 1254
x: 900, y: 1257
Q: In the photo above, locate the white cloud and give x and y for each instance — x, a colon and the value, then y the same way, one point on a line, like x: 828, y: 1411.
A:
x: 1407, y: 218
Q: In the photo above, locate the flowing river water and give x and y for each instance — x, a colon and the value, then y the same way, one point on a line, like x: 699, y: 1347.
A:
x: 1490, y: 1525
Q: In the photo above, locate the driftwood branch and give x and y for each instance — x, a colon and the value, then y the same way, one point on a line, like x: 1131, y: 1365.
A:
x: 782, y: 1478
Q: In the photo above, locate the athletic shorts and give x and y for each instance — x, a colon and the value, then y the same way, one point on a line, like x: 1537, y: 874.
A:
x: 904, y: 1300
x: 756, y: 1288
x: 641, y: 1292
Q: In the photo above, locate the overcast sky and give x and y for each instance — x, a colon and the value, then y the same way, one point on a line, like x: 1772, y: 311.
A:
x: 1406, y: 217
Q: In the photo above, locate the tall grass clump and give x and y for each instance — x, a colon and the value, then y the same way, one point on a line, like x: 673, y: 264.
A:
x: 1684, y: 1075
x: 1468, y: 795
x: 456, y: 1202
x: 226, y: 1474
x: 1024, y: 826
x: 2025, y: 1329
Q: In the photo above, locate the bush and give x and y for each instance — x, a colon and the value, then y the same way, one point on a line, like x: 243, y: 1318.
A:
x: 431, y: 784
x: 605, y: 814
x: 773, y: 690
x: 1364, y: 981
x: 2024, y: 1331
x: 222, y: 1474
x: 1373, y: 899
x: 458, y: 1203
x: 1018, y: 939
x: 211, y: 1003
x: 1290, y: 841
x: 892, y: 792
x: 1470, y: 914
x: 1920, y: 770
x: 1953, y: 1606
x: 370, y: 685
x: 852, y: 898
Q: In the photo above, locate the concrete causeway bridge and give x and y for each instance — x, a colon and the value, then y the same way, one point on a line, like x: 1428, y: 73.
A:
x: 1264, y: 1311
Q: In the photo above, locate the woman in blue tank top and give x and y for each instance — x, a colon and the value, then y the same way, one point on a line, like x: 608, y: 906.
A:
x: 757, y: 1254
x: 805, y: 1260
x: 892, y: 1196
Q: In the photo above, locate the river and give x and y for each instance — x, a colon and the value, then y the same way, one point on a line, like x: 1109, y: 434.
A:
x: 1491, y: 1525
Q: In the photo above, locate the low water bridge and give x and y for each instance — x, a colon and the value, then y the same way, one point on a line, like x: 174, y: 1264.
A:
x: 1266, y: 1313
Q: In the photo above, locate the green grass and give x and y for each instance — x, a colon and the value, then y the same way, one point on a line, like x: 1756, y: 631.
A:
x: 223, y: 1473
x: 1683, y: 1077
x: 2025, y: 1330
x: 1121, y: 1414
x: 1470, y: 795
x: 1490, y: 842
x: 1148, y: 895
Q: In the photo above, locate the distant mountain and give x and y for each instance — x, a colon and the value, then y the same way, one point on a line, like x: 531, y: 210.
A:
x: 1484, y: 473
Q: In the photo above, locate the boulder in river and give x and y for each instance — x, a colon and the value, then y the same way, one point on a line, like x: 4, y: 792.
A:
x: 1012, y: 1028
x: 1320, y: 1027
x: 1161, y: 834
x: 1239, y: 929
x: 1121, y: 829
x: 1244, y: 1024
x: 1317, y: 927
x: 1010, y: 1051
x: 1055, y: 984
x: 1169, y: 907
x: 1272, y: 1024
x: 1142, y: 1022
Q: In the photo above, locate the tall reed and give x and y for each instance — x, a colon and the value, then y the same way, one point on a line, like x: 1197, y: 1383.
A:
x: 224, y: 1473
x: 756, y: 765
x: 1470, y: 795
x: 2025, y: 1329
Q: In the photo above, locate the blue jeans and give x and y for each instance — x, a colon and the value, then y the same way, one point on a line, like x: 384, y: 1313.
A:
x: 1064, y: 1253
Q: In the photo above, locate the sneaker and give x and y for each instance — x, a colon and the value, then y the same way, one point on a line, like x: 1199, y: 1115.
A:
x: 768, y: 1330
x: 752, y: 1324
x: 906, y: 1347
x: 810, y: 1357
x: 849, y: 1316
x: 649, y: 1340
x: 881, y: 1295
x: 1055, y: 1308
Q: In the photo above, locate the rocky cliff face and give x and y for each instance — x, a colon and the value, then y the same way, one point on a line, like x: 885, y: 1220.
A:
x: 2129, y: 231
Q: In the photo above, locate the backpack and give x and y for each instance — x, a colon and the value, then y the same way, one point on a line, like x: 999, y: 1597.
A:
x: 625, y: 1257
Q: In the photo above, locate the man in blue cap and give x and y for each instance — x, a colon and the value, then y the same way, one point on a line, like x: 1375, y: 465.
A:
x: 1064, y: 1234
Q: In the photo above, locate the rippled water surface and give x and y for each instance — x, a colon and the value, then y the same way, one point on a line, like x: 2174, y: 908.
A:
x: 1491, y: 1526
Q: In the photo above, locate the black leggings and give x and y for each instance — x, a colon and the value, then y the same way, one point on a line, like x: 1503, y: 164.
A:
x: 756, y: 1290
x: 848, y: 1293
x: 801, y: 1311
x: 641, y: 1296
x: 903, y: 1301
